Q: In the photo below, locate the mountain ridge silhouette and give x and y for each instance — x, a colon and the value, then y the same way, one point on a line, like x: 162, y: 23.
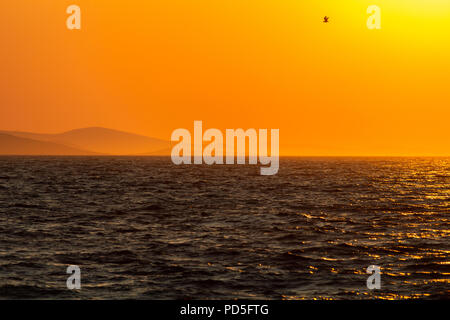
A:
x: 90, y: 140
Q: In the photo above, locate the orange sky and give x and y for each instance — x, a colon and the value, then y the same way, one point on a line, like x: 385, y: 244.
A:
x: 150, y: 67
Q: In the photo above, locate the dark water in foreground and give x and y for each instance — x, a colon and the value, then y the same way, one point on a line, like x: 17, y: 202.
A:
x: 144, y: 228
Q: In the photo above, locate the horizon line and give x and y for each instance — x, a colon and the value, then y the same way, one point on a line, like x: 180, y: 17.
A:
x: 281, y: 156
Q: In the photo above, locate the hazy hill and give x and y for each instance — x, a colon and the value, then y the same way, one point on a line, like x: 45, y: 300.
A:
x: 13, y: 145
x: 102, y: 140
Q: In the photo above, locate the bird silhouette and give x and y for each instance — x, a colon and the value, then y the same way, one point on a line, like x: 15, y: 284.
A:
x: 325, y: 19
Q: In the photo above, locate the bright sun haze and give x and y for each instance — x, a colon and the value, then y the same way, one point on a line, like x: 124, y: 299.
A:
x: 150, y: 67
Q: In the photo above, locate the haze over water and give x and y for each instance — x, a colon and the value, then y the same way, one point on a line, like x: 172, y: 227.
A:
x: 141, y: 227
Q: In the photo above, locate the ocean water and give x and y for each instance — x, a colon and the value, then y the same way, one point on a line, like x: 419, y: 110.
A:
x: 143, y: 228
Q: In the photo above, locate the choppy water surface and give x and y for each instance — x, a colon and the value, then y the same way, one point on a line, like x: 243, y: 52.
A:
x: 144, y: 228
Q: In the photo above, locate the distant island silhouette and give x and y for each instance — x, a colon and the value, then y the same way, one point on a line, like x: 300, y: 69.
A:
x: 85, y: 141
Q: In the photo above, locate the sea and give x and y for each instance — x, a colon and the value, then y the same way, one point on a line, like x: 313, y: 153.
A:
x: 144, y: 228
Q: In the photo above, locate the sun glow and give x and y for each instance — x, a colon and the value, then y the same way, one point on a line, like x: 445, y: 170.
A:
x: 424, y: 8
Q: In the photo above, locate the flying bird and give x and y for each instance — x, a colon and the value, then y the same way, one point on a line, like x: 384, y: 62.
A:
x: 325, y: 19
